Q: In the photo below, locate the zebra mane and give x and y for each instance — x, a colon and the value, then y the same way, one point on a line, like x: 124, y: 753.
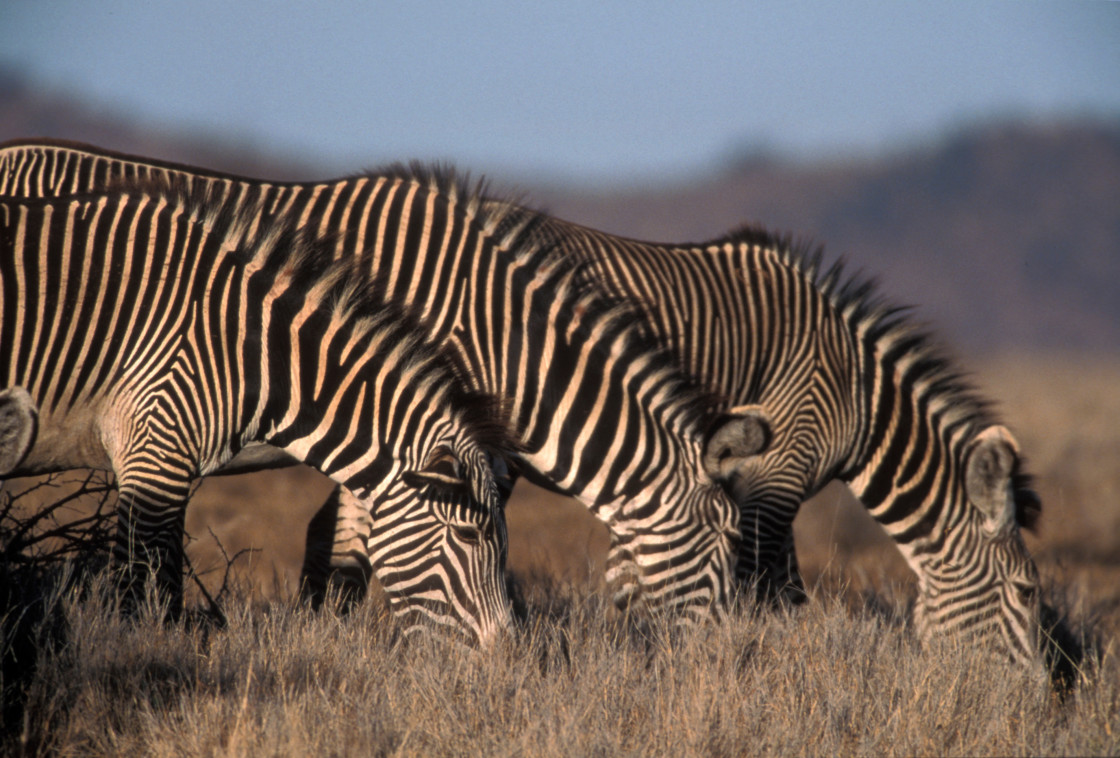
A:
x: 891, y: 330
x: 520, y: 231
x: 348, y: 290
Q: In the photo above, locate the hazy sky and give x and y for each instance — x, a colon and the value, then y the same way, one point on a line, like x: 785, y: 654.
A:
x: 582, y: 89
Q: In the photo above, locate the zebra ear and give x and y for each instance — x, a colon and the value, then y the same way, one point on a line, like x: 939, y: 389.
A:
x: 740, y: 434
x: 991, y: 463
x: 441, y: 471
x: 19, y: 423
x: 467, y: 472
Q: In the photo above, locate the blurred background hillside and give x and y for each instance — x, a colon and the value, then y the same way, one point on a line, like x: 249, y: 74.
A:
x: 967, y: 155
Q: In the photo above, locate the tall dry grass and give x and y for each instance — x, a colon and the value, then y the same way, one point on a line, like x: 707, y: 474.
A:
x: 577, y: 679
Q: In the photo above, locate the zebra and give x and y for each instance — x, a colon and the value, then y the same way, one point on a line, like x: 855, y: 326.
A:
x: 600, y: 412
x: 156, y: 335
x: 855, y: 391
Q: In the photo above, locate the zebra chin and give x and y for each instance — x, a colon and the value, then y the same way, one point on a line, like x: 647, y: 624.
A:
x: 433, y: 606
x: 687, y: 600
x: 622, y: 577
x: 688, y: 609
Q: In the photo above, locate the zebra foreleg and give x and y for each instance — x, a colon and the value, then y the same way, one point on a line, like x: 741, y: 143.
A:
x: 770, y: 574
x: 785, y: 585
x: 336, y: 553
x: 149, y: 542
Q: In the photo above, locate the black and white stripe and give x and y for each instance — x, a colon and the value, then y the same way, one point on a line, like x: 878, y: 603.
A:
x: 601, y: 412
x: 856, y: 392
x: 157, y: 335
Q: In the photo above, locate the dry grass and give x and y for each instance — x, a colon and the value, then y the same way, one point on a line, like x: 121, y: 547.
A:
x: 576, y: 680
x: 840, y: 675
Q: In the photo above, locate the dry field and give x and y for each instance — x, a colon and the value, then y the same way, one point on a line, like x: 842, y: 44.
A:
x: 839, y: 675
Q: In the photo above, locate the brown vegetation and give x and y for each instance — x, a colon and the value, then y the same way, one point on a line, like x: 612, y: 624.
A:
x: 577, y: 680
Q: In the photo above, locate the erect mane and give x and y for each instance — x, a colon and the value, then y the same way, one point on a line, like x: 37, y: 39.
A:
x: 891, y: 331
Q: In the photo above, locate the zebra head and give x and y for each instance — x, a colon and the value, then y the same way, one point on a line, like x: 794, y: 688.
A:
x: 982, y: 583
x: 438, y: 543
x: 682, y: 560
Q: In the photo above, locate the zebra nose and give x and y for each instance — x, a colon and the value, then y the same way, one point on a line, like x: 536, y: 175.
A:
x: 494, y: 632
x: 493, y: 636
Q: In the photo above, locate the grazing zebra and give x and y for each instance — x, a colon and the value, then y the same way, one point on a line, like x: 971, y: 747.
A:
x: 157, y: 335
x: 855, y: 392
x: 600, y: 411
x: 19, y: 420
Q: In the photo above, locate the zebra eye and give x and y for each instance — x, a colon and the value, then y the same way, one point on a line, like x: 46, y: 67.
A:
x: 1026, y: 593
x: 467, y: 533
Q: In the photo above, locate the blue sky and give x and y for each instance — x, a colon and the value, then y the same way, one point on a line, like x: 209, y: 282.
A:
x: 589, y: 90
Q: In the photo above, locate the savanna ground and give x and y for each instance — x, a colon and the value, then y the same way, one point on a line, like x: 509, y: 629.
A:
x: 841, y: 674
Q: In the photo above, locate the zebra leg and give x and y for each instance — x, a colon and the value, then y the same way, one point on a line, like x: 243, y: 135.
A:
x: 149, y: 540
x: 336, y: 551
x: 786, y: 585
x: 767, y: 557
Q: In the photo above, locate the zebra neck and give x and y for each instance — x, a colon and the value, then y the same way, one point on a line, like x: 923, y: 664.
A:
x: 351, y: 394
x: 906, y: 469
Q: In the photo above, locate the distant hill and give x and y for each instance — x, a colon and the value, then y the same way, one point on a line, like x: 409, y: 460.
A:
x: 1006, y: 237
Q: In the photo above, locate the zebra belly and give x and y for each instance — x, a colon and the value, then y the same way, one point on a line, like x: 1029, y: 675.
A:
x: 255, y: 457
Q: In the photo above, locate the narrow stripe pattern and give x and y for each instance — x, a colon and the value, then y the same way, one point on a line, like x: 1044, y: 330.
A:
x: 599, y: 410
x: 157, y: 332
x: 855, y: 391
